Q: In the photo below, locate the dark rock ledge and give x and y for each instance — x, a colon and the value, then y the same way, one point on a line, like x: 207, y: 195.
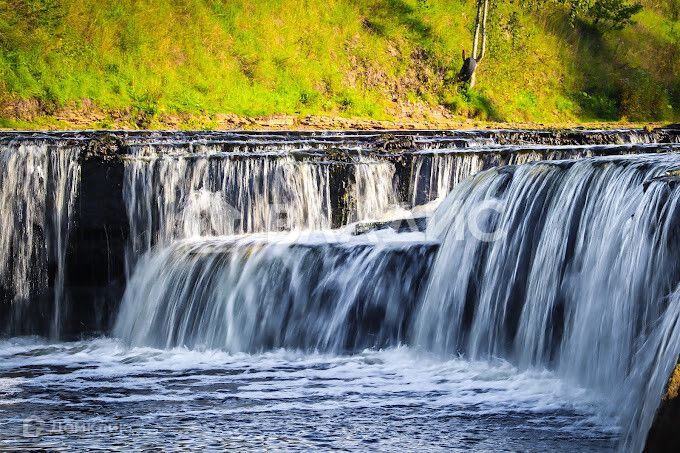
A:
x: 664, y: 435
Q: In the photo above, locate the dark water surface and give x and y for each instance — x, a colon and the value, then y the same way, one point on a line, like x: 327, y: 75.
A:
x: 99, y: 394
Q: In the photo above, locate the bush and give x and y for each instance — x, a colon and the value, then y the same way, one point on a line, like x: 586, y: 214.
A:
x: 598, y: 105
x: 604, y: 14
x: 643, y: 98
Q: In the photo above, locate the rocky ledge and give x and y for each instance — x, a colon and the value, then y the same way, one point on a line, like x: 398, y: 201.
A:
x: 664, y: 435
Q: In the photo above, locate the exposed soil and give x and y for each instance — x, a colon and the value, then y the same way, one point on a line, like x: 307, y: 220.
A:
x: 32, y: 114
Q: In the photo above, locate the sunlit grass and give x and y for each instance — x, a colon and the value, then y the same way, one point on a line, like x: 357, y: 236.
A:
x: 333, y: 57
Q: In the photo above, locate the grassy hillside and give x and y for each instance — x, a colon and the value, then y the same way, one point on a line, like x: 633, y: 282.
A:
x: 137, y: 62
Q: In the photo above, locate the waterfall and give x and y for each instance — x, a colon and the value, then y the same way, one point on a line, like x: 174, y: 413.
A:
x: 551, y: 266
x: 434, y: 175
x: 38, y: 186
x: 374, y: 195
x: 584, y: 240
x: 65, y: 174
x: 173, y: 197
x: 574, y: 281
x: 565, y: 265
x: 23, y: 188
x: 250, y: 295
x: 578, y: 276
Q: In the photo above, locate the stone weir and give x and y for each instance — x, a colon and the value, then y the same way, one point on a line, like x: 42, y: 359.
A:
x: 79, y: 209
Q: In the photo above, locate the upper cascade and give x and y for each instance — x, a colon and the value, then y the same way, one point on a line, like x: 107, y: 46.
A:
x: 209, y: 193
x: 176, y: 197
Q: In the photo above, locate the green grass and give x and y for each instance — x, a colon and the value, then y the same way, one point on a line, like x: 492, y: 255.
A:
x: 362, y: 58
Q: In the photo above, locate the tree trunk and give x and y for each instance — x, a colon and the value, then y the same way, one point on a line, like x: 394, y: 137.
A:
x: 470, y: 64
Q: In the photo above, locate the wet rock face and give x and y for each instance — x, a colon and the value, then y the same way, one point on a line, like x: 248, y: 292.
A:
x: 406, y: 225
x: 104, y: 148
x: 576, y: 137
x: 664, y: 435
x: 391, y: 142
x: 96, y: 262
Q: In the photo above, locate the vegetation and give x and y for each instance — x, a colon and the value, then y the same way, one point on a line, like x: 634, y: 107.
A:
x: 140, y: 61
x: 604, y: 14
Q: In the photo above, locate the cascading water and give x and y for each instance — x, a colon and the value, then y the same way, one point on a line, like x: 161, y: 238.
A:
x: 434, y: 175
x: 65, y: 174
x: 210, y: 193
x: 38, y: 186
x: 582, y: 242
x: 23, y: 197
x: 374, y: 195
x: 298, y: 293
x: 539, y: 309
x: 175, y: 197
x: 436, y: 172
x: 584, y: 256
x: 558, y: 269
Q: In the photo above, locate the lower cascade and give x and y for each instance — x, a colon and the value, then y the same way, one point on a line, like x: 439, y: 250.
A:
x: 246, y: 295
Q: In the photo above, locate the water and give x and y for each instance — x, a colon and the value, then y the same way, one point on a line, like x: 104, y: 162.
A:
x: 566, y: 258
x: 247, y: 327
x: 65, y: 175
x: 374, y: 196
x: 38, y: 187
x: 582, y: 247
x: 172, y: 197
x: 332, y: 294
x: 570, y: 285
x: 437, y: 171
x: 435, y: 175
x: 212, y: 193
x: 178, y: 399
